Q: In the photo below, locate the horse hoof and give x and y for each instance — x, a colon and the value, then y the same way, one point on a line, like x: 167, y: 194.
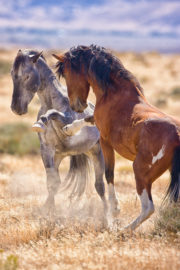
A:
x: 38, y: 128
x: 48, y: 210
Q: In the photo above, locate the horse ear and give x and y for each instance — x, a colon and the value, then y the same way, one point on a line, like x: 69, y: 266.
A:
x: 19, y: 52
x: 61, y: 58
x: 35, y: 57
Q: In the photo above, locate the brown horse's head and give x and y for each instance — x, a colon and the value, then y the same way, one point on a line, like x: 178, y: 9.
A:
x: 74, y: 70
x: 93, y: 65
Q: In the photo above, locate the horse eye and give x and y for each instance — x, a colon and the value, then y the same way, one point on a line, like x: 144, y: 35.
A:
x: 27, y: 77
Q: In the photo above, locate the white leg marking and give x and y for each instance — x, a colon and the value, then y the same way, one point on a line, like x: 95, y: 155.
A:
x: 147, y: 208
x: 113, y: 200
x: 159, y: 155
x: 73, y: 128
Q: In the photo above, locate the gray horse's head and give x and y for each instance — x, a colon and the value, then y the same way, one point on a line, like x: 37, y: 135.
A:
x: 26, y: 80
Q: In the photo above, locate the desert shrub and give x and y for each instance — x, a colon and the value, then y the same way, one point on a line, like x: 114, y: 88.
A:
x: 168, y: 220
x: 175, y: 93
x: 17, y: 138
x: 10, y: 263
x: 5, y: 67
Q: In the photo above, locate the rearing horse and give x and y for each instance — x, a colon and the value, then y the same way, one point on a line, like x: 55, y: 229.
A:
x: 127, y: 123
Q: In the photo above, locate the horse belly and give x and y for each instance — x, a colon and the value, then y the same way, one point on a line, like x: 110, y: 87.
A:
x: 123, y: 144
x: 124, y: 151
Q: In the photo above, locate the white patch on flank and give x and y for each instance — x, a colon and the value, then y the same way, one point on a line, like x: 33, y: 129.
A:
x: 159, y: 155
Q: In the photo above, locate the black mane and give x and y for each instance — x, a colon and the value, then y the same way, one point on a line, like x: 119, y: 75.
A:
x: 100, y: 63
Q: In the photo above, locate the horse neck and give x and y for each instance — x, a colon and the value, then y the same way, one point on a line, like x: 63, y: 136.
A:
x: 49, y: 91
x: 123, y: 90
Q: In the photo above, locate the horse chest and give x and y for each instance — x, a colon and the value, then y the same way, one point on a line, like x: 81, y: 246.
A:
x: 117, y: 131
x: 101, y: 117
x: 103, y: 128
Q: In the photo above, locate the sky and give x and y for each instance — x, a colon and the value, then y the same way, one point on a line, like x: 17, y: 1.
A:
x: 135, y: 25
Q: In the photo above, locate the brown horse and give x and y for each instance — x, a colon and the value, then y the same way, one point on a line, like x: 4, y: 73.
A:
x: 127, y: 123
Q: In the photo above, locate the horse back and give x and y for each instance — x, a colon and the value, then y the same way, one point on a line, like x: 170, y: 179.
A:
x: 123, y: 126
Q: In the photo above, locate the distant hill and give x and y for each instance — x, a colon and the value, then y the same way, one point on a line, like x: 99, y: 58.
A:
x: 120, y: 25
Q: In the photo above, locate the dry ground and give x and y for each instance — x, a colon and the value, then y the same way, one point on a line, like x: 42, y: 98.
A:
x: 75, y: 237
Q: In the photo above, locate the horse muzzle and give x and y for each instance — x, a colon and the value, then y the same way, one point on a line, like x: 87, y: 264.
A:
x: 18, y: 110
x: 79, y: 106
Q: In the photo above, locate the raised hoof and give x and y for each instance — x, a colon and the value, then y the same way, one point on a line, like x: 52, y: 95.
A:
x: 38, y: 128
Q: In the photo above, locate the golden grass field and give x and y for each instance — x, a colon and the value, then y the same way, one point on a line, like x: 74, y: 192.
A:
x: 75, y: 237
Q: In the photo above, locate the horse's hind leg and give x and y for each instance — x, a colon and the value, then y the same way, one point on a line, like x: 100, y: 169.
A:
x: 109, y: 159
x: 98, y: 162
x: 143, y: 186
x: 51, y: 163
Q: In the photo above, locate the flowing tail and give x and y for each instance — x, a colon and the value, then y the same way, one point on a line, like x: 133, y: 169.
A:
x: 173, y: 191
x: 77, y: 178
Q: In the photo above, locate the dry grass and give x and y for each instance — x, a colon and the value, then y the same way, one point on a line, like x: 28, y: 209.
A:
x: 76, y: 238
x: 168, y: 221
x: 17, y: 138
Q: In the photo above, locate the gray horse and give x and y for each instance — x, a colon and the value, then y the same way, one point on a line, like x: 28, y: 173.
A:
x: 30, y: 75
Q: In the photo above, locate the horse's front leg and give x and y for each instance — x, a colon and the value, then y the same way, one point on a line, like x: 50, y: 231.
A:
x: 51, y: 163
x: 75, y: 126
x: 41, y: 124
x: 145, y: 174
x: 109, y: 159
x: 98, y: 162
